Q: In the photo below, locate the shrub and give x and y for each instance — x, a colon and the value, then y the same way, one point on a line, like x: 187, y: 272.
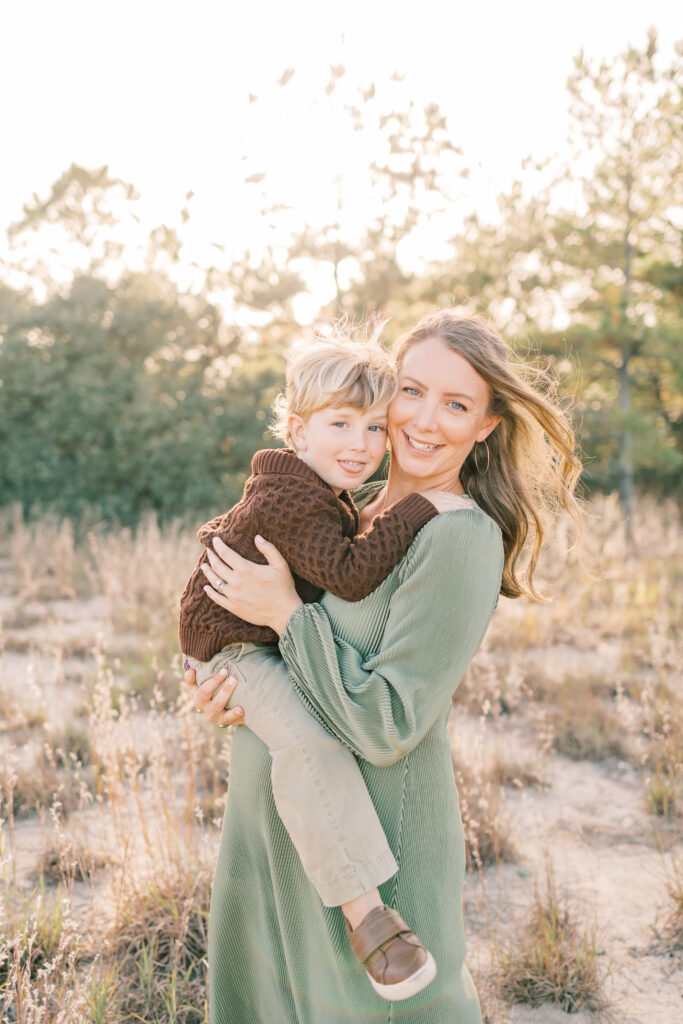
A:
x: 552, y: 960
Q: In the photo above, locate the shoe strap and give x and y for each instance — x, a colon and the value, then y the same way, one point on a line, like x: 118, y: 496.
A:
x: 376, y: 928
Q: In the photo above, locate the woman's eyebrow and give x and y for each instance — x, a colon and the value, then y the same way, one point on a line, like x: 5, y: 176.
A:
x: 447, y: 394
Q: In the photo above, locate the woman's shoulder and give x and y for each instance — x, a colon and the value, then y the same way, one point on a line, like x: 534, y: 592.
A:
x: 472, y: 521
x: 463, y: 536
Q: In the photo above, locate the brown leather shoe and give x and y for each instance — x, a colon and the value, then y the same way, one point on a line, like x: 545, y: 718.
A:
x: 396, y: 962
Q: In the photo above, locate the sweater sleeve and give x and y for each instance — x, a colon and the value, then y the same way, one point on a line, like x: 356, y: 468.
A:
x: 316, y: 549
x: 383, y: 705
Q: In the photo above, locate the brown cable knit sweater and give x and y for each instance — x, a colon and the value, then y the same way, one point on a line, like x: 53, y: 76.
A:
x: 315, y: 531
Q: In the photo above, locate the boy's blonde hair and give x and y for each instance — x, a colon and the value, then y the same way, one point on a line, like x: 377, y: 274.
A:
x: 330, y: 372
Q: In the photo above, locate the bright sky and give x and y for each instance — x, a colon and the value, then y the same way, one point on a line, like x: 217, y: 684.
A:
x: 159, y: 90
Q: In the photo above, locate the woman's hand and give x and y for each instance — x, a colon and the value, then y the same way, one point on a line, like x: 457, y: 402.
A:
x: 211, y: 697
x: 445, y: 501
x: 262, y: 594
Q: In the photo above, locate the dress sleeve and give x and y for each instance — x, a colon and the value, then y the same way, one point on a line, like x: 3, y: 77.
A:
x: 382, y: 706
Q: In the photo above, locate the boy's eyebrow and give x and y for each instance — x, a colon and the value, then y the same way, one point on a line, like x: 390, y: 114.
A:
x: 448, y: 394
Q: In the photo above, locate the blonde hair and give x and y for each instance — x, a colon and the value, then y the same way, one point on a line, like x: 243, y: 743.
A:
x: 344, y: 369
x: 531, y: 466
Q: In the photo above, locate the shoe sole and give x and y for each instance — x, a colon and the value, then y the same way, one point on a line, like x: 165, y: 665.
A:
x: 409, y: 986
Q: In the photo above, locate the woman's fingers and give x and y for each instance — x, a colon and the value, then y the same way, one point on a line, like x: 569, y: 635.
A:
x: 216, y: 581
x: 270, y: 551
x: 212, y: 697
x: 191, y: 677
x: 231, y: 716
x: 217, y: 597
x: 231, y: 558
x: 221, y: 570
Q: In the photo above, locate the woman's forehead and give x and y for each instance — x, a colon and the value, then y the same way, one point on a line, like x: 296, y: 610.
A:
x: 433, y: 364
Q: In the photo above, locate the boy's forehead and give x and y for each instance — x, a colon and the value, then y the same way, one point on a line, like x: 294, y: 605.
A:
x: 375, y: 410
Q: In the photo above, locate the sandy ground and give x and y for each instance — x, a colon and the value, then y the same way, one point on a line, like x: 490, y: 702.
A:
x: 589, y: 822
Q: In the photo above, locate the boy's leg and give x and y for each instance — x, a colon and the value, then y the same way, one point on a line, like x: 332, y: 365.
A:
x: 318, y: 789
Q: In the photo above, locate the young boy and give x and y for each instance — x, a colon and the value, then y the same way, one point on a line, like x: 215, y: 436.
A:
x: 334, y: 416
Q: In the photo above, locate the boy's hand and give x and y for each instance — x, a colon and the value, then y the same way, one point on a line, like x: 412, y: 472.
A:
x: 445, y: 501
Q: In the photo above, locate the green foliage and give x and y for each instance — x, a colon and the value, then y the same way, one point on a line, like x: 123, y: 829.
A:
x: 121, y: 393
x: 126, y: 398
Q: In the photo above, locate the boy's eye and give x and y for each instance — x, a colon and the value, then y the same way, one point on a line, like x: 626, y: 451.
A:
x: 339, y: 423
x: 377, y: 427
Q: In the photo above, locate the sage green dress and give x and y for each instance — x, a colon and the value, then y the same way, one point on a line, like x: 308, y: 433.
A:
x: 380, y: 674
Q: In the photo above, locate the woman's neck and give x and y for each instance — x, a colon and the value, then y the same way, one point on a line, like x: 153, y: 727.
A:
x: 400, y: 484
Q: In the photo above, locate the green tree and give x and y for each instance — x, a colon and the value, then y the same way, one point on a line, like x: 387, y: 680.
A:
x: 628, y: 118
x: 117, y: 390
x: 118, y: 398
x: 606, y: 267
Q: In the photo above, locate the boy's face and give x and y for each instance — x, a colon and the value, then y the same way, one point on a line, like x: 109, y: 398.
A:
x: 343, y: 446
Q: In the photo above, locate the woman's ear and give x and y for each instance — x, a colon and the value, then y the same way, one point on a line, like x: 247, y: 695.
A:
x: 297, y: 431
x: 491, y: 424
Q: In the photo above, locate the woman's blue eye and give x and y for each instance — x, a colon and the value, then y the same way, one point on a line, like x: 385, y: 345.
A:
x: 457, y: 405
x: 411, y: 391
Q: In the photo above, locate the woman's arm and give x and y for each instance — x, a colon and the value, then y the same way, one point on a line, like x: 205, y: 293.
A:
x: 381, y: 707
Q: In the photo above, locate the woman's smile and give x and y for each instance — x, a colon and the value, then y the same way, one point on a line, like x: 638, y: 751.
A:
x: 423, y: 447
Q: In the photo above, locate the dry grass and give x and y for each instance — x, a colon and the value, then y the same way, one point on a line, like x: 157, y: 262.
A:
x: 44, y: 556
x: 482, y: 769
x: 592, y: 675
x: 160, y: 941
x: 673, y: 921
x: 552, y: 960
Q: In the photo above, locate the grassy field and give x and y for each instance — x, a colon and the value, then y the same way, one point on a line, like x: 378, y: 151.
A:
x: 567, y: 748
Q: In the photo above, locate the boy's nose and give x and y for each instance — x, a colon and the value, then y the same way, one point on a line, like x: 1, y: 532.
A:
x: 358, y: 441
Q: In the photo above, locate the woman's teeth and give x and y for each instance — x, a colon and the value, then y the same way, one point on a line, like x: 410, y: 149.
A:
x: 420, y: 447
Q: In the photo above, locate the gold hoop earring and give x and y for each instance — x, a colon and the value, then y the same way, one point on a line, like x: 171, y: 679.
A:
x: 488, y: 458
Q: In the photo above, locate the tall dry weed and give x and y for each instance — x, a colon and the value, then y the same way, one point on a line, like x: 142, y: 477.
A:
x: 44, y: 555
x: 145, y: 780
x: 552, y: 960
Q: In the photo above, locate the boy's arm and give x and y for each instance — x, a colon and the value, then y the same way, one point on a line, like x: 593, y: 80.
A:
x: 209, y: 530
x: 307, y: 530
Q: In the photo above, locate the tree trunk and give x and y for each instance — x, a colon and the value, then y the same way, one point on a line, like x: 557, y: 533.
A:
x: 625, y: 458
x: 625, y: 455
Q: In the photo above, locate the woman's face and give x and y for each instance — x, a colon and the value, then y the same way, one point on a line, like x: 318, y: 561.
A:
x: 440, y: 410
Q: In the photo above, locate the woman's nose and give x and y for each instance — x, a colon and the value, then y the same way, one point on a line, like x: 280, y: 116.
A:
x: 425, y: 417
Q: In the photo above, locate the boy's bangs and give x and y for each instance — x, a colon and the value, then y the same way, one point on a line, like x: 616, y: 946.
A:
x: 363, y: 393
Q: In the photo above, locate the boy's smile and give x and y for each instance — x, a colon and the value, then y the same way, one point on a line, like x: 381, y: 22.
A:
x: 343, y: 446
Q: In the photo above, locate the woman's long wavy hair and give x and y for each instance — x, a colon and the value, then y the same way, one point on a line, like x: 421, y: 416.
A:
x: 532, y: 462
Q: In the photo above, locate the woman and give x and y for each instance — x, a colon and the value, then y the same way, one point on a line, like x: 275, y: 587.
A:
x: 380, y: 674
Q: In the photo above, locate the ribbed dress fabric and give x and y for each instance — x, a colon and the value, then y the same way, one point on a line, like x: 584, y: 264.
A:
x: 380, y: 674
